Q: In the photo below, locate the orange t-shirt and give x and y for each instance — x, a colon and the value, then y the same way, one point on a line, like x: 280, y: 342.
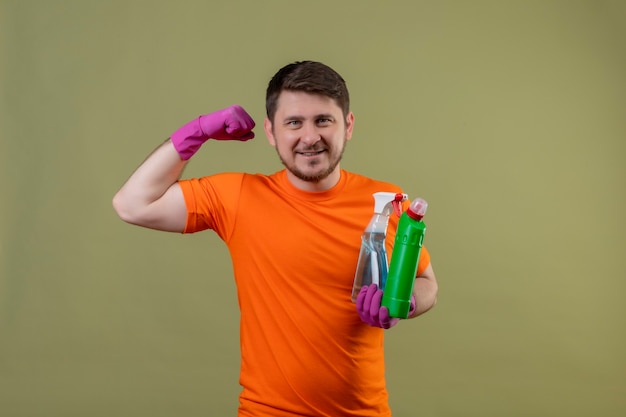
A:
x: 304, y: 349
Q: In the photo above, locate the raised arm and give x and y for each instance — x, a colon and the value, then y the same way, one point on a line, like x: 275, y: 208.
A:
x: 151, y: 197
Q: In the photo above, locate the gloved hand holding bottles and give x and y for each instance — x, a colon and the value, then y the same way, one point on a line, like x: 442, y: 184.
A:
x: 383, y: 302
x: 368, y: 305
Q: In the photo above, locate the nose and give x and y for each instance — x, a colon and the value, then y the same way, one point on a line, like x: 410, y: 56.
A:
x: 310, y: 134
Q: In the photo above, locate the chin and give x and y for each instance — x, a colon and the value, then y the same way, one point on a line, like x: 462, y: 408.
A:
x: 314, y: 176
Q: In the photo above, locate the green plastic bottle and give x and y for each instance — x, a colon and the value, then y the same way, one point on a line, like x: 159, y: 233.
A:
x: 404, y: 260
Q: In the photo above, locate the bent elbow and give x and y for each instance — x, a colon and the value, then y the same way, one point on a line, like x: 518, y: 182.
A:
x: 122, y: 209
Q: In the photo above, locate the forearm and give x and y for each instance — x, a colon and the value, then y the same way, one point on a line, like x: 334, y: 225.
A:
x: 141, y: 199
x: 425, y: 291
x: 155, y: 175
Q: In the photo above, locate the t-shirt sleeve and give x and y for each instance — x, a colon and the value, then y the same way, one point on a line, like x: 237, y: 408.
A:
x: 211, y: 203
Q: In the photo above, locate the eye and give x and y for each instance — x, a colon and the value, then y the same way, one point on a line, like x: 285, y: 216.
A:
x: 324, y: 121
x: 292, y: 123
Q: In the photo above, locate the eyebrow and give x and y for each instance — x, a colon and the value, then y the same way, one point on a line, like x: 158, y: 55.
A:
x: 317, y: 116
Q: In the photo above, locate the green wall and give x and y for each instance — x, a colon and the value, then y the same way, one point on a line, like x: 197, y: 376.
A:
x: 507, y: 116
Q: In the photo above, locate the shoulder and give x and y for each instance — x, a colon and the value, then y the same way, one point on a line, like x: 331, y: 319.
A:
x: 221, y: 179
x: 359, y: 181
x: 226, y: 182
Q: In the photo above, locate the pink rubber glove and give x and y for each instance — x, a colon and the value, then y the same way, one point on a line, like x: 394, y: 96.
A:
x: 370, y: 310
x: 231, y: 123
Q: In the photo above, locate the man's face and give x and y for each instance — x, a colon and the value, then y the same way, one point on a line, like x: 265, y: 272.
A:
x: 309, y: 133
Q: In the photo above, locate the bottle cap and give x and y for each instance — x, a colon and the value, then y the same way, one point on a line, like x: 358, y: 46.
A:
x: 417, y: 209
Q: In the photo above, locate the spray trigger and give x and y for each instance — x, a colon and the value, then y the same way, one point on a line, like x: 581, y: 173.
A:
x: 398, y: 199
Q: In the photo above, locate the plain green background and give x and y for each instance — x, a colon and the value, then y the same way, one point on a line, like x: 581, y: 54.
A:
x: 507, y: 116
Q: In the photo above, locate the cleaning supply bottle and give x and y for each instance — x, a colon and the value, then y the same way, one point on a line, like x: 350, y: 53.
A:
x: 404, y: 260
x: 372, y: 265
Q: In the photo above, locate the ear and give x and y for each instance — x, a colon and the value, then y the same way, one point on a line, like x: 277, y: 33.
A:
x: 269, y: 131
x: 349, y: 125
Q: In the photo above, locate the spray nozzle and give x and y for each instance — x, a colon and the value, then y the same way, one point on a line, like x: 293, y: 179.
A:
x: 385, y: 203
x: 397, y: 203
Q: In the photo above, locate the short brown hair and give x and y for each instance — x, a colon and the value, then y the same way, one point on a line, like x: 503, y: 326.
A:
x: 311, y: 77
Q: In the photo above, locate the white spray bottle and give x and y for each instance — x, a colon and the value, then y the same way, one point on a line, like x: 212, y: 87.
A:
x: 372, y: 266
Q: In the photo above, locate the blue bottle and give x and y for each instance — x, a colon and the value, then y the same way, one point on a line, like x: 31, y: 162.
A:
x: 373, y: 265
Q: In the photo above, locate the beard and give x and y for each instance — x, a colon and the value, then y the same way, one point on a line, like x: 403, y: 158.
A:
x: 334, y: 159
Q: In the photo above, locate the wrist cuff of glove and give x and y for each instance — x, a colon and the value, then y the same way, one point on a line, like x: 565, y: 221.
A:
x: 188, y: 139
x: 413, y: 306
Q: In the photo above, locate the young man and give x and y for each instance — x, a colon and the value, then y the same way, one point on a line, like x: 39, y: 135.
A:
x: 294, y: 238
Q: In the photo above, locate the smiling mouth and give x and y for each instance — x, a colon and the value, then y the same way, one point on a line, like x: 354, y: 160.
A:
x: 313, y: 153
